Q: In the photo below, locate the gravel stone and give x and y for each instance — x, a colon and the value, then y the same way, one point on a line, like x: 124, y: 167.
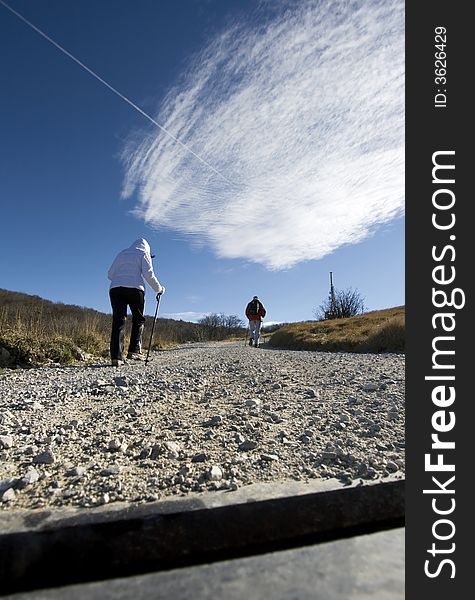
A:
x: 199, y: 457
x: 45, y: 458
x: 6, y: 484
x: 9, y: 495
x: 30, y: 477
x: 253, y: 403
x: 112, y: 470
x: 214, y: 420
x: 215, y: 473
x: 172, y: 447
x: 247, y: 445
x: 115, y: 445
x: 269, y: 457
x: 370, y: 387
x: 6, y: 441
x: 76, y: 472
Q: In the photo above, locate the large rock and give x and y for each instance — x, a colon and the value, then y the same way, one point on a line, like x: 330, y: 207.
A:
x: 5, y: 357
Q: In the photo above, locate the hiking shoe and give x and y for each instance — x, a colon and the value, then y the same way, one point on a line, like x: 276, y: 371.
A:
x: 250, y: 342
x: 135, y: 356
x: 116, y: 362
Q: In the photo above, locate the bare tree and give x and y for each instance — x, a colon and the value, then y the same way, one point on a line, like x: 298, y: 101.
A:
x: 341, y: 304
x: 233, y: 323
x: 220, y: 326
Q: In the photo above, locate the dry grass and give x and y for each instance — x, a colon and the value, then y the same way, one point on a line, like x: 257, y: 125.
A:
x: 38, y: 334
x: 377, y: 331
x: 37, y: 331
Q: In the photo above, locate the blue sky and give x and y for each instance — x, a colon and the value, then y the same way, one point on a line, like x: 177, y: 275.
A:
x: 298, y: 106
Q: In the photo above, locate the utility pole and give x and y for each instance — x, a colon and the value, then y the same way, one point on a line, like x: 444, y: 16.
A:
x: 332, y: 295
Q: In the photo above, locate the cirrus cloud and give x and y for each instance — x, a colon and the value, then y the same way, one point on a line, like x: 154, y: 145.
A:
x: 304, y: 117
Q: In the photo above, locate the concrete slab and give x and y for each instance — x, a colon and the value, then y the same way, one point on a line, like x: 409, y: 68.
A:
x: 16, y: 521
x: 42, y: 549
x: 359, y: 568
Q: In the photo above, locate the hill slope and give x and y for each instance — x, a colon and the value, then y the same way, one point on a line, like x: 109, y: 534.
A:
x: 377, y: 331
x: 35, y: 330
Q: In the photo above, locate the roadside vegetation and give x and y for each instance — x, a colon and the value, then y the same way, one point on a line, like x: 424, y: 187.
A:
x: 37, y: 331
x: 377, y: 331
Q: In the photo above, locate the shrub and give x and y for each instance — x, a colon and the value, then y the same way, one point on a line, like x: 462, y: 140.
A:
x: 340, y: 305
x: 28, y: 349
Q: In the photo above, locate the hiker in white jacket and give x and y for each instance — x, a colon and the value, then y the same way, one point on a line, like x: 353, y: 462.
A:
x: 127, y: 274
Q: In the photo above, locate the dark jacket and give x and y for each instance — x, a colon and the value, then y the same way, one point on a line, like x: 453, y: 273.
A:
x: 255, y: 310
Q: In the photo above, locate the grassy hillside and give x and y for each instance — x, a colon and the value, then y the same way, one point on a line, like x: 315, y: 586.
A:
x: 35, y: 331
x: 377, y: 331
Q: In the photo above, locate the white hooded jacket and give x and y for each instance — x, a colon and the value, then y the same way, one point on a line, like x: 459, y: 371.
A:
x: 132, y: 266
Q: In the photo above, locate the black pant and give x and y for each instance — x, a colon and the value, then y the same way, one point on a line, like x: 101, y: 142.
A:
x: 121, y: 297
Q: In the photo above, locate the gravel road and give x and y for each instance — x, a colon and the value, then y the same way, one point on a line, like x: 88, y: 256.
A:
x: 198, y: 418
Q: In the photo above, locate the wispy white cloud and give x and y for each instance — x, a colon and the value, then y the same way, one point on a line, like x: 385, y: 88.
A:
x: 305, y: 115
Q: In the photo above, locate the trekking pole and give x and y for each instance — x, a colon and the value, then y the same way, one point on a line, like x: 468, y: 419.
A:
x: 153, y: 326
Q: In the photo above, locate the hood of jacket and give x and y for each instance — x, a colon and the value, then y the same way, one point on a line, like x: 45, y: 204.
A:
x: 141, y: 244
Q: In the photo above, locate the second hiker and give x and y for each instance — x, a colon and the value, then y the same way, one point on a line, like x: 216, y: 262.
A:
x: 255, y: 312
